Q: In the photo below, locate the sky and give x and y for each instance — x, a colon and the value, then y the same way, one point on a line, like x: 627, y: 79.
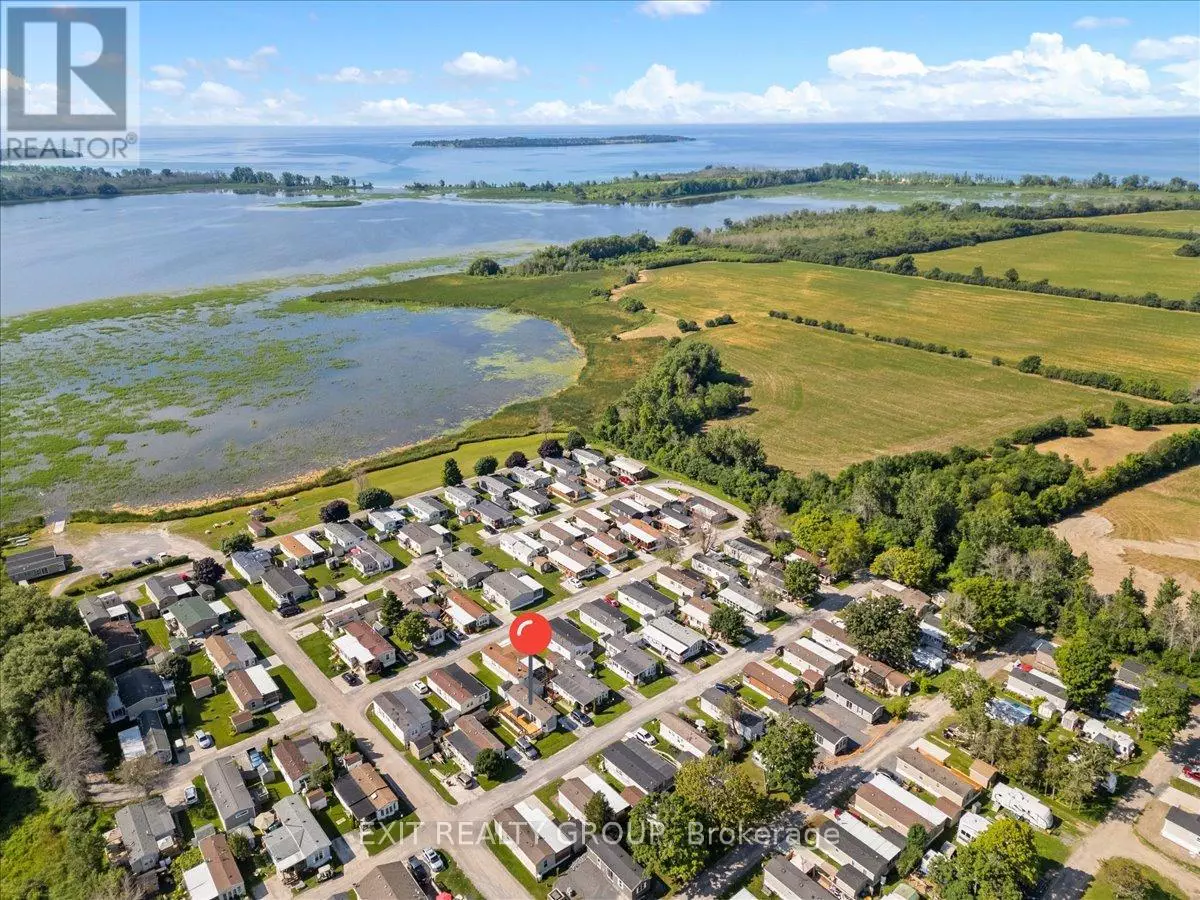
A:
x: 657, y: 62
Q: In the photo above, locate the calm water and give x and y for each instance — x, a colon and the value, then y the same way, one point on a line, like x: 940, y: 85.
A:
x: 66, y: 252
x: 200, y: 402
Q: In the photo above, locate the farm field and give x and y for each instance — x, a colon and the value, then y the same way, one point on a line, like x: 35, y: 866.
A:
x: 1163, y: 510
x: 1105, y: 446
x: 1121, y: 263
x: 821, y: 400
x: 1085, y: 334
x: 1173, y: 218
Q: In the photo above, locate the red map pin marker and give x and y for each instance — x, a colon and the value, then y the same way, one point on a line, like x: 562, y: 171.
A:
x: 529, y: 633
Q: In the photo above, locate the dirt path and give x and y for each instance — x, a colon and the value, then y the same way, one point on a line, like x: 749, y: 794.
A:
x: 1092, y: 533
x: 114, y: 547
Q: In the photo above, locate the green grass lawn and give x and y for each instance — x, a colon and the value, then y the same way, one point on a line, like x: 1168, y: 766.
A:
x: 610, y: 712
x: 554, y: 742
x: 614, y: 681
x: 156, y: 631
x: 548, y: 793
x: 294, y: 688
x: 319, y: 648
x: 199, y: 664
x: 656, y: 687
x: 212, y: 714
x: 390, y: 832
x: 1119, y: 263
x: 1160, y: 887
x: 1188, y: 787
x: 257, y: 644
x: 1181, y: 219
x: 260, y: 595
x: 1050, y: 848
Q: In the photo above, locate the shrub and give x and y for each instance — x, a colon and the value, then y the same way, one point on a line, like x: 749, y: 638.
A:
x: 374, y: 498
x: 485, y: 465
x: 484, y: 266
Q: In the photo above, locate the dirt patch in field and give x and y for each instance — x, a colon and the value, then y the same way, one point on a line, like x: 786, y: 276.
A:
x: 1112, y: 557
x: 1106, y: 446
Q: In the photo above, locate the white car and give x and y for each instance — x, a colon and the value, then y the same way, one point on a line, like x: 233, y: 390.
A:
x: 433, y: 859
x: 420, y: 688
x: 204, y: 739
x: 645, y: 737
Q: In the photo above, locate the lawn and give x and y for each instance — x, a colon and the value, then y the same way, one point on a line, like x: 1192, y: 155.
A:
x: 1117, y: 263
x: 257, y: 644
x: 390, y: 832
x: 1050, y: 848
x: 548, y: 794
x: 610, y: 712
x: 319, y: 648
x: 294, y: 688
x: 156, y: 630
x: 656, y: 687
x: 554, y: 742
x: 859, y: 399
x: 212, y: 714
x: 1162, y: 888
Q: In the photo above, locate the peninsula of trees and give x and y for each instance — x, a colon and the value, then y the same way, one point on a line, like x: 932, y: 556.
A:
x: 30, y: 183
x: 488, y: 143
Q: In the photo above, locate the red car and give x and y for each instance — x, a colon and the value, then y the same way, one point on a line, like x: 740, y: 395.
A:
x: 625, y: 479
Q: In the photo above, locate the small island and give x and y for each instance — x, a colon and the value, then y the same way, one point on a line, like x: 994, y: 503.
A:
x: 514, y: 142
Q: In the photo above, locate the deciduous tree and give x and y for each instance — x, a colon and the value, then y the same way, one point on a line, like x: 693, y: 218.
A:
x: 727, y: 622
x: 883, y: 628
x: 413, y: 628
x: 1084, y: 665
x: 1000, y: 864
x: 335, y: 511
x: 800, y: 579
x: 66, y: 740
x: 1165, y: 708
x: 141, y: 772
x: 489, y: 763
x: 662, y: 835
x: 374, y: 498
x: 515, y: 460
x: 237, y: 543
x: 207, y: 570
x: 486, y: 465
x: 451, y: 475
x: 788, y: 751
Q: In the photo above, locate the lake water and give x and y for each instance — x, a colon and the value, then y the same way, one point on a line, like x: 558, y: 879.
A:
x: 199, y: 402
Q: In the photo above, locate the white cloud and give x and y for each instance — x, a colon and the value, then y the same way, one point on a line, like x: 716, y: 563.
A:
x: 1182, y: 46
x: 172, y: 87
x: 169, y: 72
x: 254, y: 63
x: 1090, y: 23
x: 877, y: 62
x: 401, y: 111
x: 355, y: 75
x: 476, y: 65
x: 666, y: 9
x: 1187, y: 75
x: 215, y: 94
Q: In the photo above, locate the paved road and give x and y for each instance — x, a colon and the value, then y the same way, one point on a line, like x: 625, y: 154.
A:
x: 1114, y: 836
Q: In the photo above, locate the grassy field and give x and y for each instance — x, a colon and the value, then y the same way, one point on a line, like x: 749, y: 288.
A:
x: 1106, y: 446
x: 1175, y: 218
x: 1121, y: 263
x: 822, y: 400
x: 1131, y: 340
x: 1167, y: 509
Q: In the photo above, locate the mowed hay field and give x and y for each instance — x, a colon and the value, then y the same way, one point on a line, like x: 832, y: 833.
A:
x: 1120, y: 263
x: 821, y: 400
x: 1105, y: 446
x: 1164, y: 510
x: 1084, y: 334
x: 1181, y: 219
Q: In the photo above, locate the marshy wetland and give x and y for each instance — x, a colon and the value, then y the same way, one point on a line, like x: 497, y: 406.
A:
x: 193, y: 400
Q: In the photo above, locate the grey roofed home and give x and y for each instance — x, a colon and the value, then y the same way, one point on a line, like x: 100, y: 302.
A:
x: 283, y: 580
x: 143, y: 825
x: 496, y: 486
x: 465, y: 566
x: 577, y: 687
x: 389, y: 881
x: 644, y: 593
x: 567, y: 632
x: 829, y: 736
x: 228, y: 791
x: 602, y: 613
x: 154, y: 733
x: 798, y: 885
x: 298, y: 836
x: 139, y: 684
x: 34, y: 564
x: 864, y: 857
x: 617, y: 865
x: 491, y: 512
x: 344, y: 534
x: 251, y: 563
x: 405, y: 709
x: 839, y: 687
x: 633, y: 660
x: 646, y: 769
x: 193, y: 615
x: 93, y: 611
x: 508, y: 586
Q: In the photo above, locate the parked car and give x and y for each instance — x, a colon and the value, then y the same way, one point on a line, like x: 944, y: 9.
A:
x: 191, y: 796
x: 433, y: 859
x: 137, y: 563
x: 325, y: 873
x: 724, y: 688
x: 467, y: 780
x: 416, y: 866
x: 256, y: 758
x: 573, y: 583
x: 645, y: 737
x: 578, y: 715
x: 420, y: 688
x: 625, y: 480
x: 351, y: 679
x: 717, y: 647
x: 528, y: 748
x: 204, y: 739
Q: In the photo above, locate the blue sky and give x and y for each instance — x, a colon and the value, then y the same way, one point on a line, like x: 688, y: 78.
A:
x: 658, y: 62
